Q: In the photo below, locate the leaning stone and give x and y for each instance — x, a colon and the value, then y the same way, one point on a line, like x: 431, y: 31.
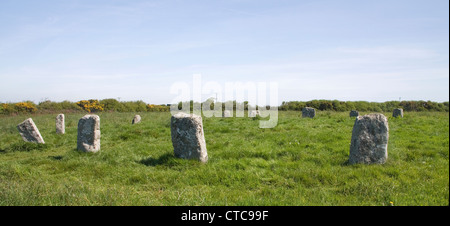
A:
x: 30, y: 132
x: 187, y: 137
x: 226, y: 114
x: 397, y: 112
x: 136, y: 119
x: 354, y: 113
x: 89, y: 133
x: 60, y: 125
x: 369, y: 140
x: 308, y: 112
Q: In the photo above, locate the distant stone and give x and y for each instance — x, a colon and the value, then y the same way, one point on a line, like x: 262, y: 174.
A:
x: 369, y: 140
x: 397, y: 112
x: 354, y: 113
x: 308, y: 112
x: 89, y: 133
x: 226, y: 114
x: 136, y: 119
x: 254, y: 113
x: 187, y: 137
x: 30, y: 132
x: 60, y: 124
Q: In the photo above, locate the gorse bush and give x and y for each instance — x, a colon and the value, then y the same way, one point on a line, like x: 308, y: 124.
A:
x: 48, y: 105
x: 158, y: 108
x: 125, y: 106
x: 134, y: 106
x: 21, y: 107
x: 2, y: 108
x: 90, y: 106
x: 27, y: 107
x: 112, y: 105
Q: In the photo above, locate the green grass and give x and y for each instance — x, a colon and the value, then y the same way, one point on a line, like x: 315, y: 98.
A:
x: 300, y: 162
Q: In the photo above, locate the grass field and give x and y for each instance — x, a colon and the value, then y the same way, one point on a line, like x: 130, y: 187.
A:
x: 300, y: 162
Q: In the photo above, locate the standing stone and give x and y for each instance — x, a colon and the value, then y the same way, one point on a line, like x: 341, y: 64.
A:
x: 187, y: 137
x: 89, y: 133
x: 369, y: 140
x: 254, y: 113
x: 397, y: 112
x: 354, y: 113
x: 60, y: 124
x: 226, y: 114
x: 308, y: 112
x: 30, y: 132
x: 136, y: 119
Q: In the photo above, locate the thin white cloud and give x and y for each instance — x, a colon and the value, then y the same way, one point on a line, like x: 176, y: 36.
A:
x: 389, y: 52
x: 140, y: 48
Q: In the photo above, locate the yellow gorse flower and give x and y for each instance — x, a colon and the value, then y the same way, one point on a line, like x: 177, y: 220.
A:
x: 24, y: 107
x: 90, y: 105
x: 153, y: 107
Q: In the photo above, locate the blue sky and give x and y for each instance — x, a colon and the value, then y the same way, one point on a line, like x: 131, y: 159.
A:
x: 322, y: 49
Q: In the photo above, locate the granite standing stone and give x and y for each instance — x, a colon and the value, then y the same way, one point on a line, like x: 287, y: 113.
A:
x: 30, y: 132
x: 308, y: 112
x: 226, y: 114
x: 254, y: 113
x: 354, y: 113
x: 369, y: 140
x: 397, y: 112
x: 89, y: 133
x: 187, y: 137
x: 136, y: 119
x: 60, y: 124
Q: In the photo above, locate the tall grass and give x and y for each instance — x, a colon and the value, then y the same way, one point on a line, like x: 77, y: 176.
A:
x: 300, y: 162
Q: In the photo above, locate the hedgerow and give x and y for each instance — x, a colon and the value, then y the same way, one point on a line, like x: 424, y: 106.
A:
x: 113, y: 105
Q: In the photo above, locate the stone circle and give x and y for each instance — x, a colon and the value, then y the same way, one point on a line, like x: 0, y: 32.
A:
x: 254, y: 113
x: 354, y: 113
x: 88, y: 139
x: 136, y: 119
x: 308, y: 112
x: 226, y: 114
x: 187, y: 137
x: 60, y: 124
x: 29, y: 132
x: 369, y: 140
x: 397, y: 112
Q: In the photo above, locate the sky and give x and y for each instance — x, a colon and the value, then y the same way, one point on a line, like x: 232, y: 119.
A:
x: 346, y: 50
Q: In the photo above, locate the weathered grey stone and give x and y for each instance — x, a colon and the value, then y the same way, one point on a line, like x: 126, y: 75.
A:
x: 254, y: 113
x: 30, y: 132
x: 354, y: 113
x: 226, y: 114
x: 136, y: 119
x: 308, y: 112
x: 89, y: 133
x: 60, y: 124
x: 369, y: 140
x: 187, y: 137
x: 397, y: 112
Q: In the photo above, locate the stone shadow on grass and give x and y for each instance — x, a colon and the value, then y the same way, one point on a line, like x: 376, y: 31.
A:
x: 56, y: 157
x: 346, y: 163
x: 166, y: 159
